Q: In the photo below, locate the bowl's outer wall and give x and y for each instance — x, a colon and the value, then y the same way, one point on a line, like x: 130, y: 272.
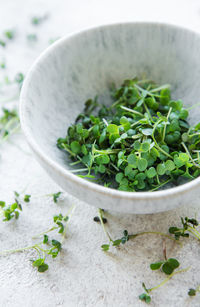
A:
x: 84, y: 65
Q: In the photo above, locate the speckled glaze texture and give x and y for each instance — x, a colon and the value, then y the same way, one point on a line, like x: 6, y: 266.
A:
x: 83, y: 65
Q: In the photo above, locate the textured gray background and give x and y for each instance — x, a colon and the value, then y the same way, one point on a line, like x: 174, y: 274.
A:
x: 83, y: 275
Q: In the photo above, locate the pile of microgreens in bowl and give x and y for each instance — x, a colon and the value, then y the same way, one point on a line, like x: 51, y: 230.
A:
x: 141, y: 142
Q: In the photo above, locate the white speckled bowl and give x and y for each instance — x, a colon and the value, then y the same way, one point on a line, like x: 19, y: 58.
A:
x: 82, y: 65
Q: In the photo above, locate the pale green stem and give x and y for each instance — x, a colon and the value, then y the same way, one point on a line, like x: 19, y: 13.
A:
x: 105, y: 122
x: 187, y: 151
x: 69, y: 214
x: 78, y: 170
x: 107, y: 151
x: 194, y: 232
x: 44, y: 232
x: 103, y: 226
x: 162, y: 184
x: 193, y: 106
x: 135, y: 123
x: 165, y: 126
x: 132, y: 111
x: 156, y: 144
x: 154, y: 233
x: 158, y: 89
x: 168, y: 278
x: 11, y: 251
x: 147, y: 110
x: 74, y: 163
x: 194, y: 134
x: 69, y: 151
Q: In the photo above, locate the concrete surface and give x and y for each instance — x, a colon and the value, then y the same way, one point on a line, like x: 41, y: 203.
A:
x: 83, y: 275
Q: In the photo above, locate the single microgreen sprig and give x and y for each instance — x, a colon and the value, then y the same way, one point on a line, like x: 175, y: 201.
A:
x: 126, y: 236
x: 9, y: 124
x: 43, y: 249
x: 55, y: 196
x: 10, y: 211
x: 188, y: 227
x: 46, y: 246
x: 60, y: 224
x: 20, y: 196
x: 146, y: 295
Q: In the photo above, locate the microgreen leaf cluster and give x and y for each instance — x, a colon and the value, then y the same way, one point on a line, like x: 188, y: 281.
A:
x: 45, y: 247
x: 10, y: 211
x: 140, y: 143
x: 189, y: 225
x: 9, y: 123
x: 168, y: 266
x: 53, y: 249
x: 56, y: 196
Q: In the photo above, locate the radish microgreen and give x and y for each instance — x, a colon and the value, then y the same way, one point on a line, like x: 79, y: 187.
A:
x: 142, y: 142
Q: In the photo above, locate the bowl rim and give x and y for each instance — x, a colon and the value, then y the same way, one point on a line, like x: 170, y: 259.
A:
x: 109, y: 192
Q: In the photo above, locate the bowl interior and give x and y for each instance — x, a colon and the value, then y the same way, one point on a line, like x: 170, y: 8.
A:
x: 84, y: 65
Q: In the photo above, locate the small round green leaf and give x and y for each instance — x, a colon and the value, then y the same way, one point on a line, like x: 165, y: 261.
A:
x: 38, y: 262
x: 137, y: 145
x: 43, y: 267
x: 161, y: 169
x: 169, y: 165
x: 132, y: 160
x: 156, y: 265
x: 105, y: 247
x: 75, y: 147
x: 173, y: 262
x: 192, y: 292
x: 145, y: 146
x: 142, y: 164
x: 145, y: 298
x: 113, y: 129
x: 151, y: 172
x: 167, y: 268
x: 119, y: 177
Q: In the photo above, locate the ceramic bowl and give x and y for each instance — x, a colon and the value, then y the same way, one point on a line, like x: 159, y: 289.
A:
x: 82, y: 65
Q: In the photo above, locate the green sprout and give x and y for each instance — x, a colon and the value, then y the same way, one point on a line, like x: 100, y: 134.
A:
x: 27, y: 198
x: 11, y: 211
x: 146, y: 295
x: 189, y: 226
x: 45, y: 247
x: 126, y: 236
x: 9, y: 123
